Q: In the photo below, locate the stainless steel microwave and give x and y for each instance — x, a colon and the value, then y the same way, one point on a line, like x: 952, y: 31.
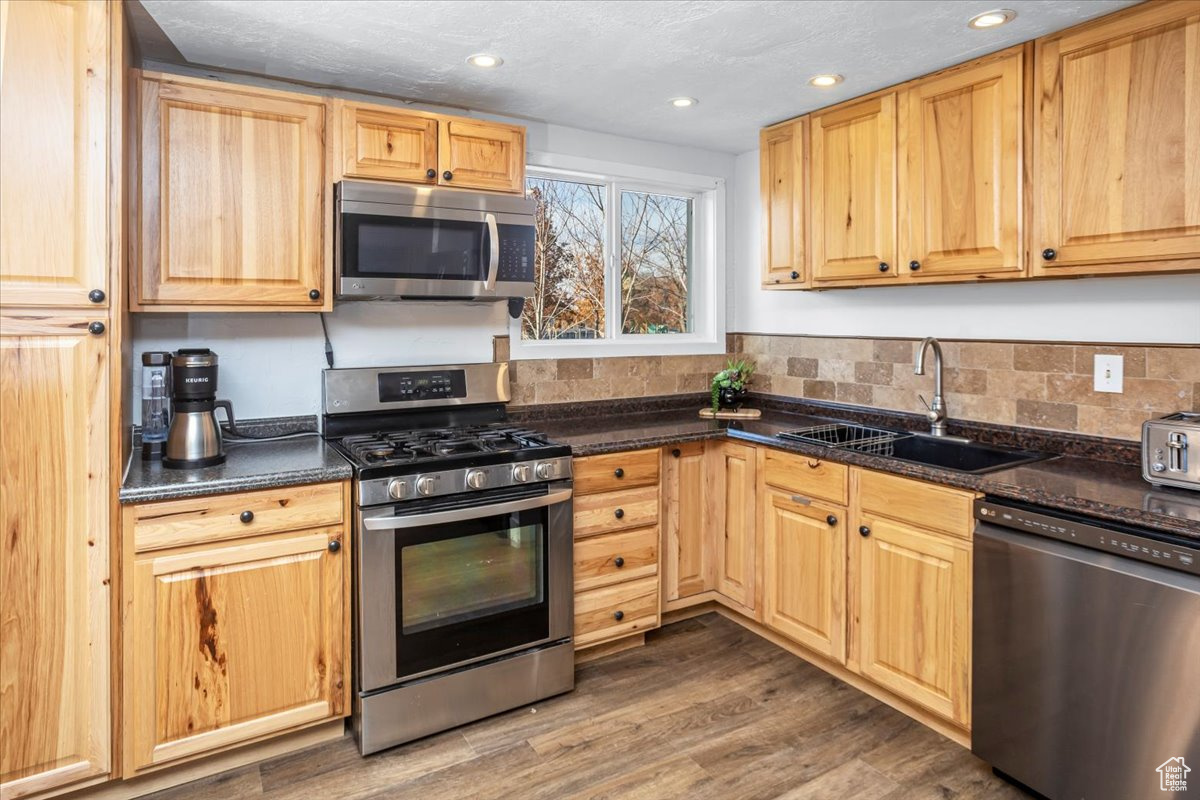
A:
x: 400, y: 242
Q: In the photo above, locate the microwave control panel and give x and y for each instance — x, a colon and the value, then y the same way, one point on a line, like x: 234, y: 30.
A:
x: 397, y: 387
x: 516, y: 253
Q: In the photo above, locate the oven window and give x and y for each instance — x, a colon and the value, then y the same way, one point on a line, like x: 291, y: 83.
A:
x: 465, y: 578
x: 407, y: 247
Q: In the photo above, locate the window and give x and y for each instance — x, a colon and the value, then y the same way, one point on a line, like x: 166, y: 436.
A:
x: 623, y: 266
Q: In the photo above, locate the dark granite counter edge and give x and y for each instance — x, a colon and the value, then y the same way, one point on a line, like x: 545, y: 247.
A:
x: 176, y: 491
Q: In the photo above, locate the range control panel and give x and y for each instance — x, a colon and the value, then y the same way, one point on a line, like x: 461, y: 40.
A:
x: 398, y: 386
x: 1143, y: 548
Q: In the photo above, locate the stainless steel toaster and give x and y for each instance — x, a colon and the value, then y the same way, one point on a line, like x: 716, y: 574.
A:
x: 1171, y: 450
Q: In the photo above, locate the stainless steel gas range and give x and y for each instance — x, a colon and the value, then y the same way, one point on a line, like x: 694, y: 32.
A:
x: 463, y: 587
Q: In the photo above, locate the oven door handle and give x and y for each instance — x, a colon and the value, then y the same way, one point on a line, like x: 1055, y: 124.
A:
x: 460, y: 514
x: 493, y: 251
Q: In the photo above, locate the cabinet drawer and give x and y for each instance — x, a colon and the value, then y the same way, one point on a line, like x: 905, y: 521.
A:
x: 615, y: 511
x: 925, y: 505
x: 616, y: 557
x: 614, y: 611
x: 807, y: 476
x: 196, y: 520
x: 615, y: 471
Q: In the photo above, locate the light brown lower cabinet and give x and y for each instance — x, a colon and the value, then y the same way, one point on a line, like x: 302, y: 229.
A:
x: 733, y: 484
x: 687, y: 559
x: 913, y: 629
x: 231, y: 641
x: 804, y: 574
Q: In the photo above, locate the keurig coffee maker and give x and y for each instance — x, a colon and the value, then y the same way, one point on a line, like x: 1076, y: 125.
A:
x: 195, y: 436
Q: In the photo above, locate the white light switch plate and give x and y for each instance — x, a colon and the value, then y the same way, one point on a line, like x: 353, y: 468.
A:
x: 1109, y: 375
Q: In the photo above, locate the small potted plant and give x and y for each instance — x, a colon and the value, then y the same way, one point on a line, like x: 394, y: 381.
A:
x: 729, y: 385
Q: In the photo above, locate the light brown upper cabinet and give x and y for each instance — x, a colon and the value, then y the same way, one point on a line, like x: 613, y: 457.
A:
x: 378, y: 142
x: 233, y: 200
x: 960, y: 171
x: 854, y: 191
x: 1116, y: 168
x: 481, y: 155
x: 783, y: 168
x: 53, y: 153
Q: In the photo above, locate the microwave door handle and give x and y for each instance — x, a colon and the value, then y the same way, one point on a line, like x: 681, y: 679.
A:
x: 493, y: 252
x: 460, y: 514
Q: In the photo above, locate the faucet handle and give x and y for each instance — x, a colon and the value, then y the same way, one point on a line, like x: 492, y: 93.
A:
x: 924, y: 402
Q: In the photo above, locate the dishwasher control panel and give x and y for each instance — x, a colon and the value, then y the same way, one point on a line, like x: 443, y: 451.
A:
x: 1096, y: 536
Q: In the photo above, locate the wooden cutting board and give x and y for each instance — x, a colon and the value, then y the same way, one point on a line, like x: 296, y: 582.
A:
x: 740, y: 413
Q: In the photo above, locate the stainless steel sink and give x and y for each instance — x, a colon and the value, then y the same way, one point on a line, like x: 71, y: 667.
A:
x: 935, y: 451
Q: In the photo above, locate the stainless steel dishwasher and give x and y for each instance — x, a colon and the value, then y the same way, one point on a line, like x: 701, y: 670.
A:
x: 1086, y: 655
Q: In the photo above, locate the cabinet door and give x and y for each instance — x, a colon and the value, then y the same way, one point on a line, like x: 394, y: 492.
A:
x: 734, y: 479
x: 687, y: 552
x: 54, y: 571
x: 232, y: 197
x: 804, y: 572
x: 1117, y: 143
x: 782, y: 152
x: 53, y: 152
x: 960, y: 171
x: 229, y: 643
x: 913, y: 631
x: 482, y: 155
x: 854, y: 191
x: 389, y: 145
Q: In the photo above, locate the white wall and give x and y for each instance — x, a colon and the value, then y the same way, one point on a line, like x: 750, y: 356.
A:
x: 271, y: 363
x: 1161, y: 309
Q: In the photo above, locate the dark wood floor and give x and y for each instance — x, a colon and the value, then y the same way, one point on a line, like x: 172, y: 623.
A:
x: 705, y: 710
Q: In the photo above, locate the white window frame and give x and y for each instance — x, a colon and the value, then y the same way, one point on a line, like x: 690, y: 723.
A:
x: 706, y: 295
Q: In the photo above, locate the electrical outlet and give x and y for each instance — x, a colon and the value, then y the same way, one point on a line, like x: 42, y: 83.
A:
x: 1109, y: 375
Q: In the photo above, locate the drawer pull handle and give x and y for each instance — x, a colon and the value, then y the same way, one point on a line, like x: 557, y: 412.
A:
x: 618, y: 616
x: 619, y: 513
x: 618, y: 472
x: 246, y: 517
x: 676, y: 452
x: 831, y: 519
x: 334, y: 545
x: 814, y: 464
x: 864, y: 531
x: 801, y: 499
x: 619, y: 562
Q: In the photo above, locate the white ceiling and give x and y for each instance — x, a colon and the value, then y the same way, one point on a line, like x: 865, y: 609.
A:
x: 607, y: 66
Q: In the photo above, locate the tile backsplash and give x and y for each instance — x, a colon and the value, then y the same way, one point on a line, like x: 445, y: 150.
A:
x: 1033, y: 385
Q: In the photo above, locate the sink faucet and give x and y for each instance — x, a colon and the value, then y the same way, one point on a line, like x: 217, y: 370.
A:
x: 936, y: 413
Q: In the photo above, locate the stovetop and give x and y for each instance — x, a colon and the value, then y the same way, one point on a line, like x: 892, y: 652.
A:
x: 397, y: 452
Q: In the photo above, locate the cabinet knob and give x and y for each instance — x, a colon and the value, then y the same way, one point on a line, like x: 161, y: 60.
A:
x: 914, y: 265
x: 1049, y: 254
x: 431, y: 173
x: 96, y: 328
x: 447, y: 175
x: 676, y: 452
x: 246, y: 516
x: 883, y: 266
x: 619, y: 473
x: 795, y: 275
x: 619, y: 615
x: 314, y: 294
x: 96, y: 295
x: 618, y: 562
x: 831, y: 519
x: 619, y: 513
x: 864, y: 530
x: 334, y: 545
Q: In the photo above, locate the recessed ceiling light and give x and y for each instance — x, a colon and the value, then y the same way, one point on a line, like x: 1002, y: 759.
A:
x: 825, y: 81
x: 484, y: 60
x: 991, y: 19
x: 683, y: 102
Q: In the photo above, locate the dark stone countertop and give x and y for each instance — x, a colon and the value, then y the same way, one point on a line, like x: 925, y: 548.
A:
x: 248, y: 466
x: 1094, y: 477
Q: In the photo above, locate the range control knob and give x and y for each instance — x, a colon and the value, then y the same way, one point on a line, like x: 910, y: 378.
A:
x: 544, y: 471
x: 425, y: 485
x: 476, y: 478
x: 397, y: 489
x: 1158, y: 466
x: 521, y: 473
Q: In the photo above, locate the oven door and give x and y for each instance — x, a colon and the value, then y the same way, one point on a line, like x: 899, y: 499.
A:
x: 396, y: 250
x: 451, y: 584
